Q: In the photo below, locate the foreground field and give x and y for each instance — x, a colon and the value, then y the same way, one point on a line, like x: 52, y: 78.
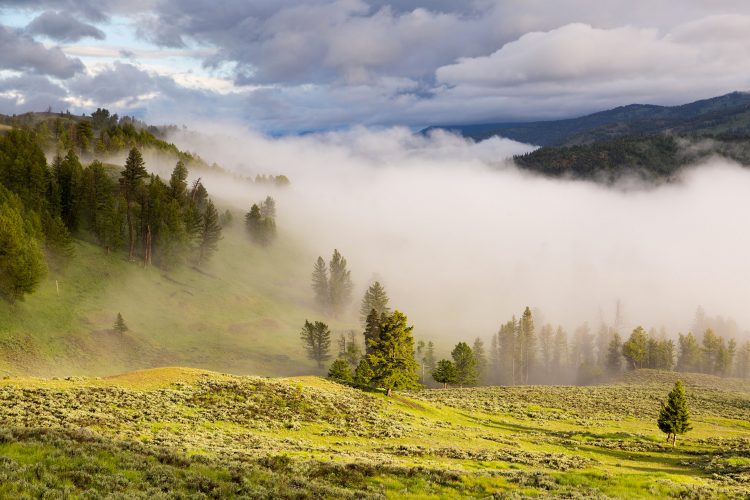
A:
x: 179, y: 432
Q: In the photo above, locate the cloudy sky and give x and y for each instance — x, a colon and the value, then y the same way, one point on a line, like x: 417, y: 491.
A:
x: 295, y: 65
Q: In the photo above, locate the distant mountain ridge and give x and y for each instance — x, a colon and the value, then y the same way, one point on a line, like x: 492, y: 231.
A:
x: 727, y: 114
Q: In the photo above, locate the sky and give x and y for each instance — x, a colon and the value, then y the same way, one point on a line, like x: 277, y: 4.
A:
x: 287, y: 66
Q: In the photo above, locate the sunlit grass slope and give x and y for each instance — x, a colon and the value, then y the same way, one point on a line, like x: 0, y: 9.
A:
x: 241, y: 313
x: 188, y: 432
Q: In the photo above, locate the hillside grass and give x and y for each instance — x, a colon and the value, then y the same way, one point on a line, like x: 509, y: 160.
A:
x: 173, y: 431
x: 241, y: 313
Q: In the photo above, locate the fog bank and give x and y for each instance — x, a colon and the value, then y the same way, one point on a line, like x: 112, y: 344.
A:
x: 462, y: 240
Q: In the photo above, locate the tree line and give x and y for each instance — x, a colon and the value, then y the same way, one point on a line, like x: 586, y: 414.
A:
x: 519, y: 353
x: 167, y: 223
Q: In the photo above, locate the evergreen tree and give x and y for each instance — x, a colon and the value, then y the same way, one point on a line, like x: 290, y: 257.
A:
x: 376, y: 299
x: 210, y: 233
x: 392, y: 354
x: 480, y: 359
x: 674, y: 417
x: 429, y: 360
x: 614, y: 354
x: 339, y: 283
x: 178, y: 183
x: 526, y: 345
x: 560, y: 352
x: 340, y: 370
x: 260, y: 222
x: 445, y: 372
x: 743, y: 361
x: 546, y: 348
x: 268, y: 208
x: 320, y: 285
x: 363, y: 374
x: 226, y: 218
x: 690, y: 357
x: 316, y: 338
x: 69, y: 177
x: 120, y: 326
x: 507, y: 347
x: 466, y: 364
x: 372, y: 330
x: 131, y: 181
x: 711, y: 344
x: 22, y: 263
x: 635, y: 349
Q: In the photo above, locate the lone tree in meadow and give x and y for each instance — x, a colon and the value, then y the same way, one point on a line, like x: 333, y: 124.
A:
x: 120, y: 326
x: 316, y: 338
x: 340, y: 370
x: 392, y: 354
x: 674, y: 417
x: 445, y: 372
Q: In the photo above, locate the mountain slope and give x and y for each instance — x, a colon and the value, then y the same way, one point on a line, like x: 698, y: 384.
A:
x: 729, y: 113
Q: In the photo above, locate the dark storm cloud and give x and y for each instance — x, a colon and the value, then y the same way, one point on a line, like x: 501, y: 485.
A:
x: 21, y: 52
x: 63, y: 27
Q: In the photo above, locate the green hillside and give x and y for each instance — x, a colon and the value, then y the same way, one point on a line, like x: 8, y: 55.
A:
x: 242, y: 313
x: 188, y: 433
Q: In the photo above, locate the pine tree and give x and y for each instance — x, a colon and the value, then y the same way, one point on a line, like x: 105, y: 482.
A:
x: 392, y: 354
x: 372, y: 330
x: 376, y: 299
x: 526, y: 344
x: 466, y: 364
x: 690, y: 356
x: 560, y: 352
x: 320, y: 284
x: 480, y: 359
x: 210, y: 233
x: 635, y: 349
x: 614, y: 355
x: 120, y: 326
x: 363, y: 374
x: 711, y: 345
x: 674, y: 417
x: 339, y: 283
x: 429, y: 357
x: 268, y: 208
x: 22, y: 263
x: 445, y: 372
x: 546, y: 341
x: 178, y: 183
x: 340, y: 370
x: 131, y: 180
x: 316, y: 338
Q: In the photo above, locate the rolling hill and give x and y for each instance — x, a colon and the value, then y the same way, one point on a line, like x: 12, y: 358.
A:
x: 175, y: 432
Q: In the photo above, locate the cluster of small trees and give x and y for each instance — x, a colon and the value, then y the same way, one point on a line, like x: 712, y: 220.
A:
x: 43, y: 207
x: 387, y: 363
x: 332, y: 284
x: 260, y: 222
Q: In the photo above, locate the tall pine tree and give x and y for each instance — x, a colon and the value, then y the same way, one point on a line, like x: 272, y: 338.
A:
x: 131, y: 180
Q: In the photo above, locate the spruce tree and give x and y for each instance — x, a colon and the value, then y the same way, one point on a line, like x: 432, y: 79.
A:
x: 316, y: 338
x: 178, y: 183
x: 120, y: 326
x: 210, y: 233
x: 674, y: 417
x: 372, y: 330
x: 614, y: 355
x: 392, y: 354
x: 481, y: 359
x: 363, y: 374
x: 374, y: 298
x: 466, y: 364
x: 339, y: 283
x: 340, y: 370
x: 445, y: 372
x: 131, y: 180
x: 635, y: 349
x: 526, y: 345
x: 22, y: 263
x: 320, y: 284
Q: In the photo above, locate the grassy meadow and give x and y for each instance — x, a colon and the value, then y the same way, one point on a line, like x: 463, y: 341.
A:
x: 172, y: 432
x: 240, y: 313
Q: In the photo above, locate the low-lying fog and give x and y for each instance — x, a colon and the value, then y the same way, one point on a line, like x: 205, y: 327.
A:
x: 462, y: 240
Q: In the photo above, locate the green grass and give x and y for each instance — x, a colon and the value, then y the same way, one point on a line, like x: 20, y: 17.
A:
x: 191, y: 432
x: 241, y: 313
